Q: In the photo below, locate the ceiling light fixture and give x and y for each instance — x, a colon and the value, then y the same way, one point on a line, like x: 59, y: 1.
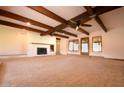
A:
x: 77, y: 27
x: 28, y: 23
x: 63, y: 33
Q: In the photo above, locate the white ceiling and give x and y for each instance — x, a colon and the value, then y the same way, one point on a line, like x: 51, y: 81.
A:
x: 67, y: 12
x: 32, y: 14
x: 113, y: 18
x: 110, y: 19
x: 95, y: 26
x: 21, y: 23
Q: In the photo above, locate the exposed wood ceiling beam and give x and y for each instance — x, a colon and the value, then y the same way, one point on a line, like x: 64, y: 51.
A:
x: 62, y: 26
x: 60, y: 31
x: 48, y: 13
x: 6, y: 23
x: 60, y: 35
x: 98, y: 10
x: 52, y: 15
x: 89, y: 9
x: 103, y: 9
x: 81, y: 16
x: 98, y: 20
x: 24, y: 19
x: 85, y: 16
x: 27, y: 28
x: 68, y: 33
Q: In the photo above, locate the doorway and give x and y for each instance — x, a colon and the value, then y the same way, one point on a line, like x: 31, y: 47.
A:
x: 58, y: 46
x: 85, y: 45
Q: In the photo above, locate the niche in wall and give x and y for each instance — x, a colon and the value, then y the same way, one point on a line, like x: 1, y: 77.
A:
x: 51, y: 48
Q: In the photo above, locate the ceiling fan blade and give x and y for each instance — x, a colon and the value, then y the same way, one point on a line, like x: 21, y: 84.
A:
x: 87, y: 25
x: 73, y: 22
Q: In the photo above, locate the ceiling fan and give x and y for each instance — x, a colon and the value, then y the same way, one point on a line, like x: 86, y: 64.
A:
x: 78, y: 24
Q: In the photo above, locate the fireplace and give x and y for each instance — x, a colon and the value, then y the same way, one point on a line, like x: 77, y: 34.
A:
x: 41, y: 51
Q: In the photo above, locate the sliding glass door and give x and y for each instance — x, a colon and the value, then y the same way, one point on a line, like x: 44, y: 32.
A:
x: 85, y: 45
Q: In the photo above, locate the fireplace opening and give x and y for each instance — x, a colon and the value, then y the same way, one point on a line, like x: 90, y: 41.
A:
x: 41, y: 51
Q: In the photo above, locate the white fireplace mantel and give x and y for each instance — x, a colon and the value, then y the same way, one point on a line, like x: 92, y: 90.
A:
x: 32, y: 49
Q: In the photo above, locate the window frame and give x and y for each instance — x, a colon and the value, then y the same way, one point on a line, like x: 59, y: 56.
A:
x: 74, y: 40
x: 88, y: 45
x: 93, y: 42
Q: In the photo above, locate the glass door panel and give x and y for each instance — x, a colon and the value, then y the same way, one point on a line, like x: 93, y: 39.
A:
x: 85, y: 45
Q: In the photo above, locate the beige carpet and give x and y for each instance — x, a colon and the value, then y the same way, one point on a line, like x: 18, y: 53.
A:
x: 61, y: 71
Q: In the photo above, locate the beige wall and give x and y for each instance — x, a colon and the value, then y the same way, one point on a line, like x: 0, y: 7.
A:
x: 113, y: 45
x: 15, y: 41
x: 12, y: 41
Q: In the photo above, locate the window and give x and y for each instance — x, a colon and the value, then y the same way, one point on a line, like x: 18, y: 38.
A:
x: 97, y: 43
x: 74, y: 45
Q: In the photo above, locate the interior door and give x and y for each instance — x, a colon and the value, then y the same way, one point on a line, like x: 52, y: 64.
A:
x: 57, y: 46
x: 85, y: 45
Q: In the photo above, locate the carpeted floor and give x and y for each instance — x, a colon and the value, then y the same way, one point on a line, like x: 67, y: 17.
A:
x: 61, y: 71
